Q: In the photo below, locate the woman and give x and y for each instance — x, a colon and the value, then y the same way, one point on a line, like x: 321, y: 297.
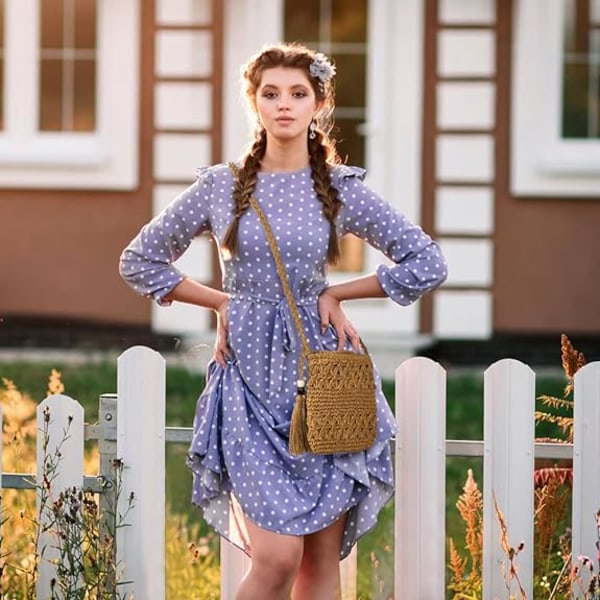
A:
x: 296, y: 516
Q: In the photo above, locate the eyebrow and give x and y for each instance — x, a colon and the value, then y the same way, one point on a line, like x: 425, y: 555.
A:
x: 295, y: 85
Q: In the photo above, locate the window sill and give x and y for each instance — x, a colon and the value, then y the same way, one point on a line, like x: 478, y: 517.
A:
x: 66, y: 161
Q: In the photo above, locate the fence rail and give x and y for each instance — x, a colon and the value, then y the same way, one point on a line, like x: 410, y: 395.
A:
x: 131, y: 427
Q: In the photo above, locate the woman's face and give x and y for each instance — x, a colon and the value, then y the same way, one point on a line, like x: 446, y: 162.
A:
x: 285, y: 102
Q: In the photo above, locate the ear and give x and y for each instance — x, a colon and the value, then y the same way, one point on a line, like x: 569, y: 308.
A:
x: 319, y: 104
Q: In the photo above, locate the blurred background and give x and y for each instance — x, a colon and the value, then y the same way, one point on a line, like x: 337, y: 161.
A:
x: 479, y: 119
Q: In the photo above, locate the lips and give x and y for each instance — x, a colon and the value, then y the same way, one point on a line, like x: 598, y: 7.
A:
x: 284, y: 120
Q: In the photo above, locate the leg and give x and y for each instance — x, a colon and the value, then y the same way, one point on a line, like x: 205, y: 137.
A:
x: 275, y: 562
x: 319, y: 574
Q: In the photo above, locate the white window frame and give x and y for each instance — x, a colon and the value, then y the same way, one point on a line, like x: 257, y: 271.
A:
x: 542, y: 162
x: 104, y: 159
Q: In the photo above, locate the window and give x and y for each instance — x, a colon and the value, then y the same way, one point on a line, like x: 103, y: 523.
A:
x: 339, y: 29
x: 581, y: 73
x: 556, y: 99
x: 70, y: 91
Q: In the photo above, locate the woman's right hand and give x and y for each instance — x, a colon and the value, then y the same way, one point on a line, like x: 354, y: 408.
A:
x: 221, y: 351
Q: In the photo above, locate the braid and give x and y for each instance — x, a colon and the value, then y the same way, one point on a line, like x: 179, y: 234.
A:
x: 326, y: 193
x: 243, y: 188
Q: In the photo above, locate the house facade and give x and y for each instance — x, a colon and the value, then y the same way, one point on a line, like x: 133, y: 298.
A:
x: 479, y: 119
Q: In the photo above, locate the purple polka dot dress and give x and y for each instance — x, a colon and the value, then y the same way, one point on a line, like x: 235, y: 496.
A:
x: 239, y: 455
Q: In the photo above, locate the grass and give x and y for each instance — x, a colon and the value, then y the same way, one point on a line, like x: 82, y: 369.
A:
x: 464, y: 421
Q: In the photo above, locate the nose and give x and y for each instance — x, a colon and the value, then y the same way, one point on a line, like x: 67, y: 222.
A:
x: 284, y: 103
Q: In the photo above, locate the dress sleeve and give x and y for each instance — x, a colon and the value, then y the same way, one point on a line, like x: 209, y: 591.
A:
x: 418, y: 265
x: 146, y: 264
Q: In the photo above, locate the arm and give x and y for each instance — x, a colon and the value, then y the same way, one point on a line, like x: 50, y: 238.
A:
x: 417, y: 265
x: 146, y: 264
x: 192, y: 292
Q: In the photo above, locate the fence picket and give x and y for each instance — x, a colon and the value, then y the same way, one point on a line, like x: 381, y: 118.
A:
x: 509, y: 429
x: 60, y: 462
x: 586, y: 463
x: 141, y: 447
x: 420, y: 480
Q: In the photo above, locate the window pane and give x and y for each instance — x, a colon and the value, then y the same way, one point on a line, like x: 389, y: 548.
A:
x: 581, y: 74
x: 51, y: 95
x: 352, y: 250
x: 68, y: 65
x: 350, y: 84
x: 350, y: 22
x: 52, y: 23
x: 84, y: 105
x: 85, y: 24
x: 1, y: 64
x: 350, y: 142
x: 301, y: 21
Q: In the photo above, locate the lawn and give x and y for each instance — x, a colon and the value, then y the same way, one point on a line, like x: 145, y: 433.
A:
x: 464, y: 421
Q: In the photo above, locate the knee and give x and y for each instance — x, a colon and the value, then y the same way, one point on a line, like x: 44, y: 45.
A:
x: 318, y: 564
x: 279, y: 567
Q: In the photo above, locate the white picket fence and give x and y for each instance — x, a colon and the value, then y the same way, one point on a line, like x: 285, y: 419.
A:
x: 508, y: 451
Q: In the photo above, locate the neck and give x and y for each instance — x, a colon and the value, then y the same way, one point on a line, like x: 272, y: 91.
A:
x: 289, y: 155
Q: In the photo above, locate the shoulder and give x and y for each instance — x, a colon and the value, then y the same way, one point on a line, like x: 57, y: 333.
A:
x: 342, y: 175
x: 214, y: 174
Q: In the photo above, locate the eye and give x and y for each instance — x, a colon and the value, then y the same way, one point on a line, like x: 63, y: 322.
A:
x: 269, y: 95
x: 300, y: 94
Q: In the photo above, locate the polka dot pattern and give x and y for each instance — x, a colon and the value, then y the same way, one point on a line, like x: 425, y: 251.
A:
x: 239, y: 454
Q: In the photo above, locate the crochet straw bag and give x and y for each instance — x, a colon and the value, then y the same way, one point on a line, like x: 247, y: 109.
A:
x: 335, y: 410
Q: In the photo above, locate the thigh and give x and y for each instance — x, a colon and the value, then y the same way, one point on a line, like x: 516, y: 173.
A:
x: 325, y: 545
x: 274, y: 547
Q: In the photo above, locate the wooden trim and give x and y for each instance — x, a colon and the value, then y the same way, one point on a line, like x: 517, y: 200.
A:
x: 582, y: 26
x: 467, y: 78
x: 183, y: 79
x: 218, y: 65
x: 147, y: 67
x: 469, y: 183
x: 504, y: 40
x: 218, y: 13
x: 469, y: 26
x: 191, y: 131
x: 464, y: 131
x: 428, y: 142
x: 184, y: 27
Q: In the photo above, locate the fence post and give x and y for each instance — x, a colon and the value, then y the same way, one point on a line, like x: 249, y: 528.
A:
x: 234, y: 565
x: 586, y: 461
x: 508, y: 462
x: 107, y: 449
x: 141, y: 448
x: 59, y: 467
x: 420, y: 518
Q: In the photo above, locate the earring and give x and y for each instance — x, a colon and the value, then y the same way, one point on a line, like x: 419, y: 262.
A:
x: 259, y: 128
x: 312, y: 130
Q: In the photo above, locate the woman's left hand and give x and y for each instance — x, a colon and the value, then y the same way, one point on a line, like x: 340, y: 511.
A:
x: 331, y: 313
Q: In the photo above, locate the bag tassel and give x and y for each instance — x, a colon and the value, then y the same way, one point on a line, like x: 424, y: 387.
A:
x: 298, y: 443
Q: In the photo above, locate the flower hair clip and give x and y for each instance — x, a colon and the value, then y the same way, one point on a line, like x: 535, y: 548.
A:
x: 320, y: 68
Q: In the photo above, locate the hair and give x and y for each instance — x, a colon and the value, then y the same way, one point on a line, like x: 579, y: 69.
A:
x: 321, y: 149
